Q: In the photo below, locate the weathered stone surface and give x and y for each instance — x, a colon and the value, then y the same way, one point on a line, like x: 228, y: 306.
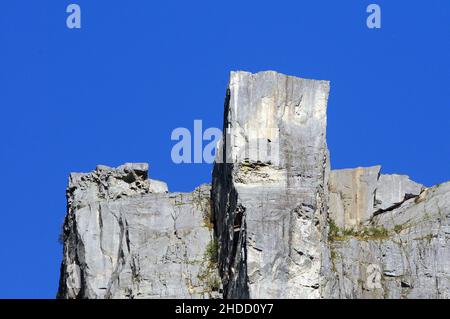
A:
x: 405, y: 252
x: 286, y: 226
x: 352, y: 194
x: 269, y: 208
x: 392, y: 190
x: 124, y: 240
x: 356, y: 195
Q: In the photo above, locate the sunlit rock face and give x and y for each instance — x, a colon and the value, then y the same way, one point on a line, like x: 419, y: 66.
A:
x: 270, y: 204
x: 402, y: 252
x: 125, y: 236
x: 356, y: 195
x: 275, y: 223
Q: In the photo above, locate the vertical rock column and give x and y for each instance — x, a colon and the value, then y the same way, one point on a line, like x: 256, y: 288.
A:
x: 269, y: 186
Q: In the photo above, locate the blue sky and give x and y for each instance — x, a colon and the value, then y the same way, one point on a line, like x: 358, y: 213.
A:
x: 113, y: 91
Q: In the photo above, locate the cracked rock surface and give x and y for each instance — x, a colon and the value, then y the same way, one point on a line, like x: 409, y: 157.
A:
x: 269, y: 213
x: 275, y: 223
x: 403, y: 252
x: 126, y: 237
x: 356, y: 195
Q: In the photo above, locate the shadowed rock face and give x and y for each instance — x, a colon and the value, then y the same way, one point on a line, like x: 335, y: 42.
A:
x: 276, y: 223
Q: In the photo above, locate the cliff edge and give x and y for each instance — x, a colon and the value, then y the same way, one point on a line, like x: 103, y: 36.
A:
x: 276, y: 221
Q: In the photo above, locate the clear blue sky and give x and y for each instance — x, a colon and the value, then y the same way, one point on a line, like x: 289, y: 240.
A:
x: 113, y: 91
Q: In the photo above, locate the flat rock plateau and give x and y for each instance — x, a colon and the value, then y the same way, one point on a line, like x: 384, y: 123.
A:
x: 272, y: 224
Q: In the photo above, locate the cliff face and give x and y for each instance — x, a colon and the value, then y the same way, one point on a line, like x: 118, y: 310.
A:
x: 126, y: 237
x: 276, y: 223
x: 269, y: 208
x: 402, y: 248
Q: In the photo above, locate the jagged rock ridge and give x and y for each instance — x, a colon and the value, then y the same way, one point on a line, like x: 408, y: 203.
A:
x: 276, y: 222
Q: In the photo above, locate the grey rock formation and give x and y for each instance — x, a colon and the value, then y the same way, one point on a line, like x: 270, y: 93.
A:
x: 269, y: 209
x: 402, y: 253
x: 352, y: 195
x: 392, y: 190
x: 356, y: 195
x: 276, y: 223
x: 126, y: 237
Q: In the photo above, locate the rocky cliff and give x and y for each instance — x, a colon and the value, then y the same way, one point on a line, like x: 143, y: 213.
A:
x: 270, y: 207
x: 276, y: 222
x: 391, y: 241
x: 125, y: 236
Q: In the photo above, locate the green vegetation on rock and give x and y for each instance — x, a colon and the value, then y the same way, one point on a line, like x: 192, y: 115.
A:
x: 336, y: 233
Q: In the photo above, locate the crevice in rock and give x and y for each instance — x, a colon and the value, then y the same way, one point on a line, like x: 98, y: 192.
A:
x: 395, y: 206
x: 120, y: 261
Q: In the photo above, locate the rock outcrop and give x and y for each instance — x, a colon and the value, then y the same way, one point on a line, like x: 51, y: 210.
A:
x: 356, y: 195
x: 275, y: 223
x: 269, y: 207
x: 126, y: 237
x: 402, y: 252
